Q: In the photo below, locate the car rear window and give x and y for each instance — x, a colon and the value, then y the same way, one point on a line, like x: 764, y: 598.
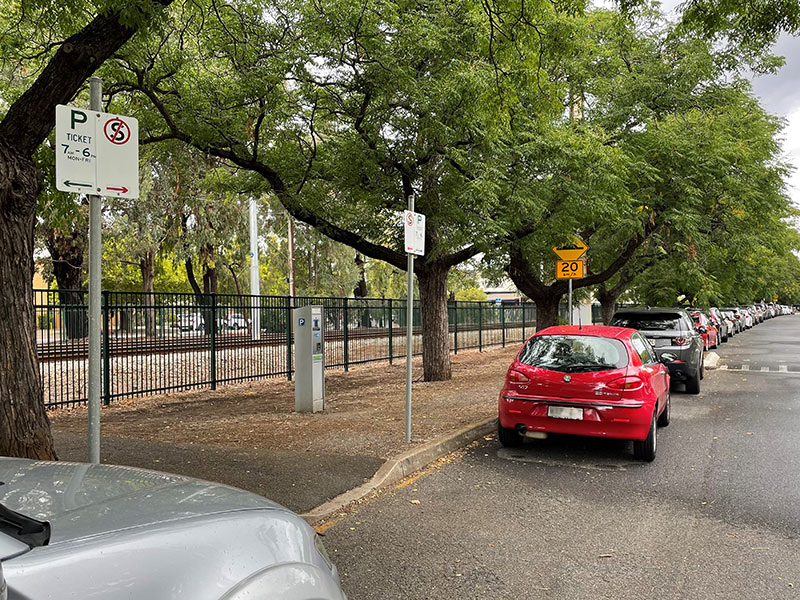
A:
x: 648, y: 321
x: 574, y: 353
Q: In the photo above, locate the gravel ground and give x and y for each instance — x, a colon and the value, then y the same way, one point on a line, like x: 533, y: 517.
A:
x: 364, y: 413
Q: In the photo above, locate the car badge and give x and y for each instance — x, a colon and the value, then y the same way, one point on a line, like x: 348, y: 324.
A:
x: 567, y: 378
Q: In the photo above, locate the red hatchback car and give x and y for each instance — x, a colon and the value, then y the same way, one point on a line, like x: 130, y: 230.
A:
x: 706, y: 328
x: 592, y: 380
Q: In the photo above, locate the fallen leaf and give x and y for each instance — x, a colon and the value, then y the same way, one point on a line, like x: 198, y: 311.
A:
x: 415, y: 502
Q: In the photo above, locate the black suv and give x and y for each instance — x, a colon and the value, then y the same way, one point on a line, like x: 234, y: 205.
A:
x: 672, y: 333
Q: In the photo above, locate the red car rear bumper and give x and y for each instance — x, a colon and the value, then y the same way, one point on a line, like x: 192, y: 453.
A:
x: 625, y: 419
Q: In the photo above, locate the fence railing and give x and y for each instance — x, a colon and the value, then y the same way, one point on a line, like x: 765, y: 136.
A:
x: 163, y: 342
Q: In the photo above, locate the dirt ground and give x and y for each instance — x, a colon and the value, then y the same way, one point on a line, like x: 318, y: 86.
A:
x: 364, y: 414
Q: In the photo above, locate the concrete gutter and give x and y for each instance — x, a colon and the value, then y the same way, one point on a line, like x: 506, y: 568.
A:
x: 711, y: 360
x: 397, y: 468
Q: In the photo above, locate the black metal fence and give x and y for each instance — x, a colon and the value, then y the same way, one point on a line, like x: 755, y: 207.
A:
x: 164, y: 342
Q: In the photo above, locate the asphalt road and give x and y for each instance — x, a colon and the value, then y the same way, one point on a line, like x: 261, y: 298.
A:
x: 717, y: 515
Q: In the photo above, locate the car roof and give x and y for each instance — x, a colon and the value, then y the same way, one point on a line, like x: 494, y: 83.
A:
x: 593, y: 330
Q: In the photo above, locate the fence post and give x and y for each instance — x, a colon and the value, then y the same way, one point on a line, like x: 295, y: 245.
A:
x: 289, y: 338
x: 503, y: 321
x: 344, y: 332
x: 523, y: 321
x: 213, y: 341
x: 391, y: 323
x: 106, y: 351
x: 480, y: 326
x: 455, y: 326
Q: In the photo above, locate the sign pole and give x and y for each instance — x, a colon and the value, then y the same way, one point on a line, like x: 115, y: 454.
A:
x: 409, y: 332
x: 95, y: 275
x: 570, y: 301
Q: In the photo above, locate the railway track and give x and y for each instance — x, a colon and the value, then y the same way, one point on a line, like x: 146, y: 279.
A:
x: 140, y: 345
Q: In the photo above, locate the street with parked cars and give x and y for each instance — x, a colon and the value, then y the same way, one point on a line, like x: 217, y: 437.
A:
x: 583, y: 493
x: 574, y: 514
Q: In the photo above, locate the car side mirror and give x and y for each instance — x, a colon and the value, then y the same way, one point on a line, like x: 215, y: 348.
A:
x: 668, y: 357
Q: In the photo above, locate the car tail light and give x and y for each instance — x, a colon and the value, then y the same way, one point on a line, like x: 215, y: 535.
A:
x: 681, y: 341
x: 517, y: 377
x: 627, y: 383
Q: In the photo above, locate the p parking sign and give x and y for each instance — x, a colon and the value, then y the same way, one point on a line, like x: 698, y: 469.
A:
x: 96, y: 153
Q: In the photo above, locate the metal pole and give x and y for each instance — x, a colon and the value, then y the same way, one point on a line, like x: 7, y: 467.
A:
x: 409, y: 332
x: 106, y: 352
x: 95, y: 306
x: 569, y: 302
x: 255, y: 282
x: 291, y: 258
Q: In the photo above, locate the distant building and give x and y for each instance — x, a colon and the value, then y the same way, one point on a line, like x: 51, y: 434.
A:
x: 505, y: 291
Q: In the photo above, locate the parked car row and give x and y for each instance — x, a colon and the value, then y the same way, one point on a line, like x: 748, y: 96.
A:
x: 614, y: 381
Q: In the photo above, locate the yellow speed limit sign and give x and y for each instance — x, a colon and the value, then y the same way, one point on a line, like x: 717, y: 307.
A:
x: 569, y: 269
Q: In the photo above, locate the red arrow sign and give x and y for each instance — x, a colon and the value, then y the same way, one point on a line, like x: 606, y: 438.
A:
x: 122, y: 189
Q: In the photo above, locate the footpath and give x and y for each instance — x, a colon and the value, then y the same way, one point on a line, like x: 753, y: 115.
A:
x: 249, y: 436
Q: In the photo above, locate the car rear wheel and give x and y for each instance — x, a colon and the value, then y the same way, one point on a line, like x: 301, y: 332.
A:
x: 646, y: 449
x: 663, y: 418
x: 508, y: 437
x: 693, y: 384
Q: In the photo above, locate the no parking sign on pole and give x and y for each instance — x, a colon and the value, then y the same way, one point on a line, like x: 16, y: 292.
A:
x: 96, y: 153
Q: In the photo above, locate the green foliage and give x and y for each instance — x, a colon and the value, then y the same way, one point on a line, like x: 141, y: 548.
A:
x: 471, y: 294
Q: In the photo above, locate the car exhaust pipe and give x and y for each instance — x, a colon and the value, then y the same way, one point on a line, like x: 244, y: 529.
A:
x: 525, y: 432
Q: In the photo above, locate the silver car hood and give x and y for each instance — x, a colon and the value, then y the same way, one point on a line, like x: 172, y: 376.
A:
x: 82, y: 500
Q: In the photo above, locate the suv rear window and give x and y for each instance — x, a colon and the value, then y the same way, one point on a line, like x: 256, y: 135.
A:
x: 574, y: 353
x: 647, y: 321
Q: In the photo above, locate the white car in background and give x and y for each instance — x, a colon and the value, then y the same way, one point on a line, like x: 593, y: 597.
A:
x: 236, y: 321
x: 191, y: 322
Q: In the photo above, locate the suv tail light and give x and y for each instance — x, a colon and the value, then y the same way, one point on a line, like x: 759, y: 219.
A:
x: 627, y: 383
x: 681, y: 341
x: 517, y: 377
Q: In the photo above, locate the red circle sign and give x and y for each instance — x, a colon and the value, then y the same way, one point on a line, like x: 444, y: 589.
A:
x: 410, y: 219
x: 117, y: 131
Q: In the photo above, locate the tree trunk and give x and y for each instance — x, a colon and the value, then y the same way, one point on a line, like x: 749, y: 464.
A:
x: 360, y: 291
x: 436, y: 333
x: 203, y: 297
x: 66, y: 252
x: 546, y: 309
x: 24, y: 426
x: 244, y: 302
x: 147, y: 265
x: 607, y: 302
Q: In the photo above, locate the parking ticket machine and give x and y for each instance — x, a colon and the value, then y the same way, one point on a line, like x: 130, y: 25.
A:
x: 309, y: 358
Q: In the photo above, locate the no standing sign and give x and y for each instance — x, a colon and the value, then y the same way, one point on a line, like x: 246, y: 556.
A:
x: 96, y: 153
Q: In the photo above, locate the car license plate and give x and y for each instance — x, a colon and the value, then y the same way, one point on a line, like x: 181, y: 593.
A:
x: 565, y: 412
x: 658, y: 343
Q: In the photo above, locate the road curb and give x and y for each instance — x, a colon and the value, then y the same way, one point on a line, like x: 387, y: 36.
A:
x: 395, y: 469
x: 711, y: 360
